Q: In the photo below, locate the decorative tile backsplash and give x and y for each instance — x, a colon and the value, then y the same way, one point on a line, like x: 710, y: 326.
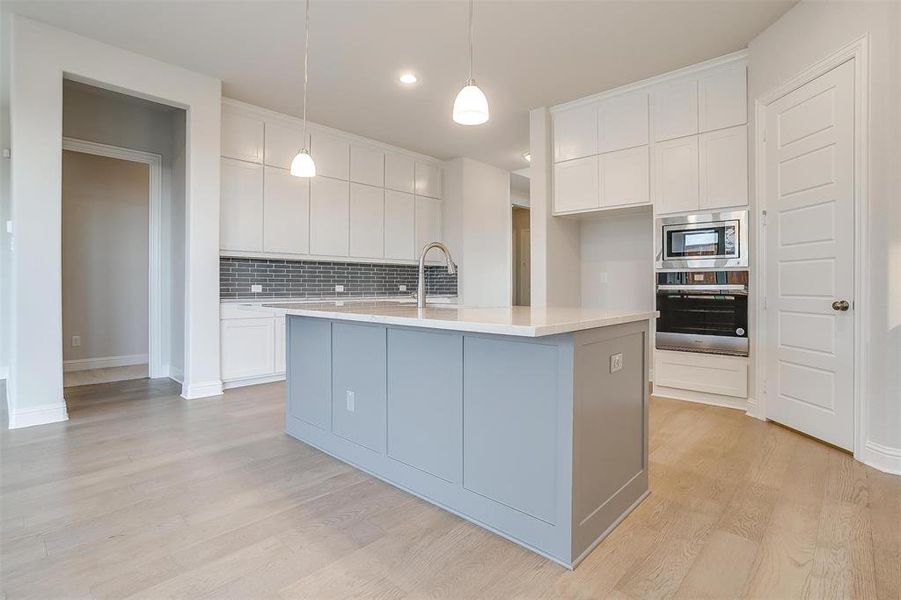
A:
x: 317, y: 279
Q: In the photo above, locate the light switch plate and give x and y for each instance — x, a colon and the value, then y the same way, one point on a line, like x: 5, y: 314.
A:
x: 616, y: 362
x: 76, y: 341
x: 351, y: 401
x: 256, y: 288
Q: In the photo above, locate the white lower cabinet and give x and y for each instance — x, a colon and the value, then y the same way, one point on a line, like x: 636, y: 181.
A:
x: 286, y: 212
x: 329, y: 214
x: 252, y: 346
x: 248, y: 347
x: 241, y: 207
x: 676, y: 175
x: 697, y: 372
x: 367, y: 221
x: 399, y: 225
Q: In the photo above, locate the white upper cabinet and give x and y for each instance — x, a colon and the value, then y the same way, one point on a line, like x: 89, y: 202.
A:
x: 723, y: 168
x: 676, y: 175
x: 286, y: 211
x: 331, y: 154
x: 576, y: 185
x: 367, y: 165
x: 624, y: 177
x: 623, y: 122
x: 576, y: 132
x: 398, y: 172
x: 674, y: 107
x: 367, y: 221
x: 282, y: 144
x: 329, y: 214
x: 723, y: 97
x: 428, y: 180
x: 242, y: 136
x: 241, y: 206
x: 428, y: 224
x: 399, y: 225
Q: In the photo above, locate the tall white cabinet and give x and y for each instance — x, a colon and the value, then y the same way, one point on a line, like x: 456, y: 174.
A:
x: 368, y: 202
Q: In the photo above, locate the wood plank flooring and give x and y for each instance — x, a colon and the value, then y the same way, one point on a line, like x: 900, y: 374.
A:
x: 142, y: 494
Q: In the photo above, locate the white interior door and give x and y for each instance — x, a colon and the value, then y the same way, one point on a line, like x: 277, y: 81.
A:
x: 810, y: 256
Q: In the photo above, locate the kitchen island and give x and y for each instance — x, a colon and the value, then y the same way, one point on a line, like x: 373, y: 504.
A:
x: 529, y: 422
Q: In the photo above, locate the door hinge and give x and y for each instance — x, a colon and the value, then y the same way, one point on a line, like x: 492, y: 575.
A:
x: 763, y: 217
x: 764, y: 135
x: 764, y: 303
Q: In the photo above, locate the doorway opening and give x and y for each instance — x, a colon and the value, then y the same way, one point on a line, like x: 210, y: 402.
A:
x: 521, y: 240
x: 123, y: 190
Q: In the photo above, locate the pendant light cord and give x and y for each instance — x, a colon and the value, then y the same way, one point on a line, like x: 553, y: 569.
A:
x: 306, y: 68
x: 470, y: 41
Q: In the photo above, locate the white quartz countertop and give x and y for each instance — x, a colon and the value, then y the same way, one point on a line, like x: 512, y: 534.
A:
x: 512, y: 320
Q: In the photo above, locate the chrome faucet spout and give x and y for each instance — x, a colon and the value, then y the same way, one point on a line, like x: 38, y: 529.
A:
x: 451, y: 269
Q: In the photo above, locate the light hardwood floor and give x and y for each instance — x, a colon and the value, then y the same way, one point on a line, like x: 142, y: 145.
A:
x: 144, y: 494
x: 104, y: 375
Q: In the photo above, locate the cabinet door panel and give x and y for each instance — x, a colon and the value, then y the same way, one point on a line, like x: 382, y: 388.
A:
x: 425, y: 401
x: 723, y: 98
x: 724, y: 168
x: 675, y: 109
x: 310, y: 375
x: 331, y: 154
x: 329, y: 214
x: 576, y: 133
x: 242, y: 136
x: 248, y: 347
x: 241, y: 218
x: 624, y: 177
x: 358, y: 384
x: 286, y: 212
x: 623, y: 122
x: 280, y: 349
x: 576, y: 185
x: 428, y: 225
x: 399, y: 225
x: 676, y: 175
x: 398, y: 172
x: 367, y: 221
x: 428, y: 180
x: 367, y: 165
x: 282, y: 144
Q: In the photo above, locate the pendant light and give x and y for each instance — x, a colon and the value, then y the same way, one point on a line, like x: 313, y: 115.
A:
x: 471, y: 105
x: 303, y: 165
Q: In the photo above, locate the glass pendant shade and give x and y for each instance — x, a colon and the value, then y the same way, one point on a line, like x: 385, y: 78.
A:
x: 471, y: 105
x: 303, y: 165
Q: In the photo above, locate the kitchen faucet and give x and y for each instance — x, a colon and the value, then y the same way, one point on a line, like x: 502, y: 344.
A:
x: 420, y: 288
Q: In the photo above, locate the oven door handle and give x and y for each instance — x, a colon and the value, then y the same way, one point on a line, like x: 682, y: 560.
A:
x: 736, y: 289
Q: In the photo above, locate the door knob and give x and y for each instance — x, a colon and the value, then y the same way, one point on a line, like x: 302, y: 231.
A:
x: 841, y: 305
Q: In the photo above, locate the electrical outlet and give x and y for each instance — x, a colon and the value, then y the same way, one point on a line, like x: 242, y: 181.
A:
x: 256, y: 288
x: 616, y: 362
x: 402, y: 288
x: 339, y: 288
x: 351, y: 401
x: 76, y: 341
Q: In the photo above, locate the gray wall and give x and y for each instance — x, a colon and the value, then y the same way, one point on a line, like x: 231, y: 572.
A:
x: 5, y: 277
x: 105, y: 256
x: 109, y: 118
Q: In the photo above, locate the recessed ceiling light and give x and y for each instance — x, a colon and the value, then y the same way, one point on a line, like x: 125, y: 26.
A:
x: 408, y: 78
x: 527, y: 156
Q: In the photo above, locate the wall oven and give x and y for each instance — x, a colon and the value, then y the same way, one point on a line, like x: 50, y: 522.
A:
x: 703, y: 312
x: 703, y: 241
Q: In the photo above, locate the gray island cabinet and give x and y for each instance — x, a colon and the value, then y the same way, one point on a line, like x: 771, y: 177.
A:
x: 529, y: 422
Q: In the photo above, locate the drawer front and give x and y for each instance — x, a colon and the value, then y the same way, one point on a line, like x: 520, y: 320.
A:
x: 724, y: 375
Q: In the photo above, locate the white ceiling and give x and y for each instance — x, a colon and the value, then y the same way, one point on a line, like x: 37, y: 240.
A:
x: 527, y: 54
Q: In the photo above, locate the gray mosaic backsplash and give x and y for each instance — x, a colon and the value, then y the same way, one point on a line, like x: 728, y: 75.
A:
x: 317, y: 279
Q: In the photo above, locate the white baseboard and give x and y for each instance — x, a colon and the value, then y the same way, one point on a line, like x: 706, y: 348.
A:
x: 4, y: 372
x: 176, y: 374
x: 38, y: 415
x: 700, y: 397
x: 104, y: 362
x: 884, y: 458
x: 201, y: 390
x: 243, y: 381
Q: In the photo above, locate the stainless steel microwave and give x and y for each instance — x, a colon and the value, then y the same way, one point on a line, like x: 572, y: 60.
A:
x: 702, y: 241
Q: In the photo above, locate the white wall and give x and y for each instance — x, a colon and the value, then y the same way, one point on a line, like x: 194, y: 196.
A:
x: 40, y: 55
x: 620, y: 249
x: 5, y: 278
x: 477, y: 226
x: 806, y: 34
x: 106, y: 259
x: 100, y: 116
x: 556, y: 271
